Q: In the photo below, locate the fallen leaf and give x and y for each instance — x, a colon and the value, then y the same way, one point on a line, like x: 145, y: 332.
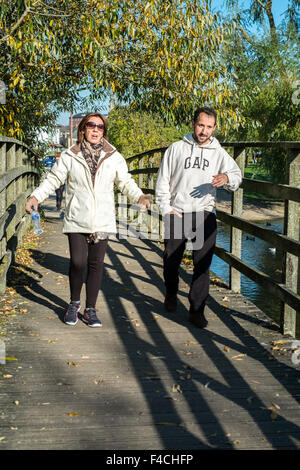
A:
x: 226, y: 348
x: 176, y: 388
x: 225, y: 299
x: 72, y: 363
x: 192, y: 342
x: 7, y: 376
x: 73, y: 414
x: 98, y: 382
x: 273, y: 415
x: 6, y: 308
x: 276, y: 406
x: 238, y: 357
x: 167, y: 424
x: 16, y: 402
x: 2, y: 438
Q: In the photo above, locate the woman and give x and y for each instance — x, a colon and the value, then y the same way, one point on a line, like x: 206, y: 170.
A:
x: 90, y: 169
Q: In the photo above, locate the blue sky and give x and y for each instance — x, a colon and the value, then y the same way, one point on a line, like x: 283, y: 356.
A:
x: 279, y: 6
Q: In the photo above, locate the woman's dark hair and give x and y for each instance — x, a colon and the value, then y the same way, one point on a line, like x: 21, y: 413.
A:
x: 82, y: 124
x: 206, y: 110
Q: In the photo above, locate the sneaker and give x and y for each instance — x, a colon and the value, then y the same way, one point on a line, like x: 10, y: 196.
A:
x: 90, y: 318
x: 170, y: 302
x: 71, y: 315
x: 198, y: 319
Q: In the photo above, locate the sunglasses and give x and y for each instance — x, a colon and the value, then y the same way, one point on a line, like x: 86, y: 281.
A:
x: 93, y: 125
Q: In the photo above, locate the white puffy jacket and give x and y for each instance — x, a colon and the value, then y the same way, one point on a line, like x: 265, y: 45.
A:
x: 89, y: 208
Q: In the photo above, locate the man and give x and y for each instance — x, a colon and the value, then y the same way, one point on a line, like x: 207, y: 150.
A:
x: 190, y: 172
x: 59, y: 191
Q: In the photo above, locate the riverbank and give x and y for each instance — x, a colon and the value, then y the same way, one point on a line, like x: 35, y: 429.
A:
x: 254, y: 210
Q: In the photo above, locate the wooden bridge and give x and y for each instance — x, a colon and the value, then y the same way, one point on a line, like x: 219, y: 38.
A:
x: 147, y: 379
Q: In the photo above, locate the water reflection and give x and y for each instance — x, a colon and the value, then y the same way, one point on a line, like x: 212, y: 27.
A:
x: 260, y: 255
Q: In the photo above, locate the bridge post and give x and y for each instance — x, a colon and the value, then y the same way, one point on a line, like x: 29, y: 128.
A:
x: 141, y: 175
x: 236, y: 234
x: 18, y: 175
x: 11, y: 190
x: 291, y: 229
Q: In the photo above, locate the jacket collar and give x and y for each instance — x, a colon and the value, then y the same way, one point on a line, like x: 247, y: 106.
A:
x: 108, y: 149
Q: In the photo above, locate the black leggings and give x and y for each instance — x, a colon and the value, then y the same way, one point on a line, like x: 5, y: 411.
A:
x: 82, y: 255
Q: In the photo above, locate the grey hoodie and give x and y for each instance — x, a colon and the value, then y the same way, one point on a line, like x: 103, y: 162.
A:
x: 185, y: 175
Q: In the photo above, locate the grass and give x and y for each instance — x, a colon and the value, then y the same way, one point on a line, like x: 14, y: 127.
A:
x: 255, y: 171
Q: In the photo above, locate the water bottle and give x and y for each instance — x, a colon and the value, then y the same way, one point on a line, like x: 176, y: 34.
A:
x: 36, y: 222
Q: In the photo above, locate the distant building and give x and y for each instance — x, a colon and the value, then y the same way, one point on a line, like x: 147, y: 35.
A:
x: 51, y: 139
x: 64, y: 135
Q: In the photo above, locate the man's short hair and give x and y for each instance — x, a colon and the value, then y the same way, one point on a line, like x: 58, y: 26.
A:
x: 206, y: 110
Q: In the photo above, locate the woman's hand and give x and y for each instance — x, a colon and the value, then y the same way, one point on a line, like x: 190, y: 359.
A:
x: 32, y: 202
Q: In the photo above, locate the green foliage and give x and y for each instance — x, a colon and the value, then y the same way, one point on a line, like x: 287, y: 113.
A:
x: 264, y: 66
x: 133, y: 132
x: 158, y: 55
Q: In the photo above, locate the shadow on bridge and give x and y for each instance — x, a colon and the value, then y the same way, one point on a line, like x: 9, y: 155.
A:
x: 217, y: 398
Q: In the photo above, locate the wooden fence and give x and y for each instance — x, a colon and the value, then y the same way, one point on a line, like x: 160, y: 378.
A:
x: 145, y: 167
x: 18, y: 177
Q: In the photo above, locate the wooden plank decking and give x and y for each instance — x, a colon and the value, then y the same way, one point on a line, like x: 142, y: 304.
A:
x: 147, y: 379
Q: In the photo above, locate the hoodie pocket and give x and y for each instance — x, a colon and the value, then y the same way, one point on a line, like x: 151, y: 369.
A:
x: 182, y: 201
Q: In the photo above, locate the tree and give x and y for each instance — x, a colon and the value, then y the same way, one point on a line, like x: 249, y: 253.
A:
x: 134, y: 132
x: 264, y: 65
x: 159, y: 55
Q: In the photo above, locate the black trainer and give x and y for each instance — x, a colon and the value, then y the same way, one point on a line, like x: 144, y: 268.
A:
x: 90, y: 318
x: 71, y: 315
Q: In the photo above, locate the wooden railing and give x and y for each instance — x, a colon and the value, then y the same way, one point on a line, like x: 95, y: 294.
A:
x: 18, y: 177
x: 145, y: 167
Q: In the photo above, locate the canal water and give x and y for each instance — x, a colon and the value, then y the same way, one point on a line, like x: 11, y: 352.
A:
x: 260, y: 255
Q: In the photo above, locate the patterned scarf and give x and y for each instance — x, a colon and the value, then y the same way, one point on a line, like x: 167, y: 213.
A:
x: 91, y: 153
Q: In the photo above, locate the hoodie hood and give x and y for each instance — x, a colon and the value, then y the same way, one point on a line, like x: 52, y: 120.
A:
x: 212, y: 144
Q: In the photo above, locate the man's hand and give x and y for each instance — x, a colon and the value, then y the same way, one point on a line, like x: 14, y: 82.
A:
x: 144, y: 201
x: 32, y: 202
x: 220, y: 180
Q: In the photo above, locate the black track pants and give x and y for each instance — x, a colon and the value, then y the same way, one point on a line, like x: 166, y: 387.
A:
x: 205, y: 226
x: 59, y: 195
